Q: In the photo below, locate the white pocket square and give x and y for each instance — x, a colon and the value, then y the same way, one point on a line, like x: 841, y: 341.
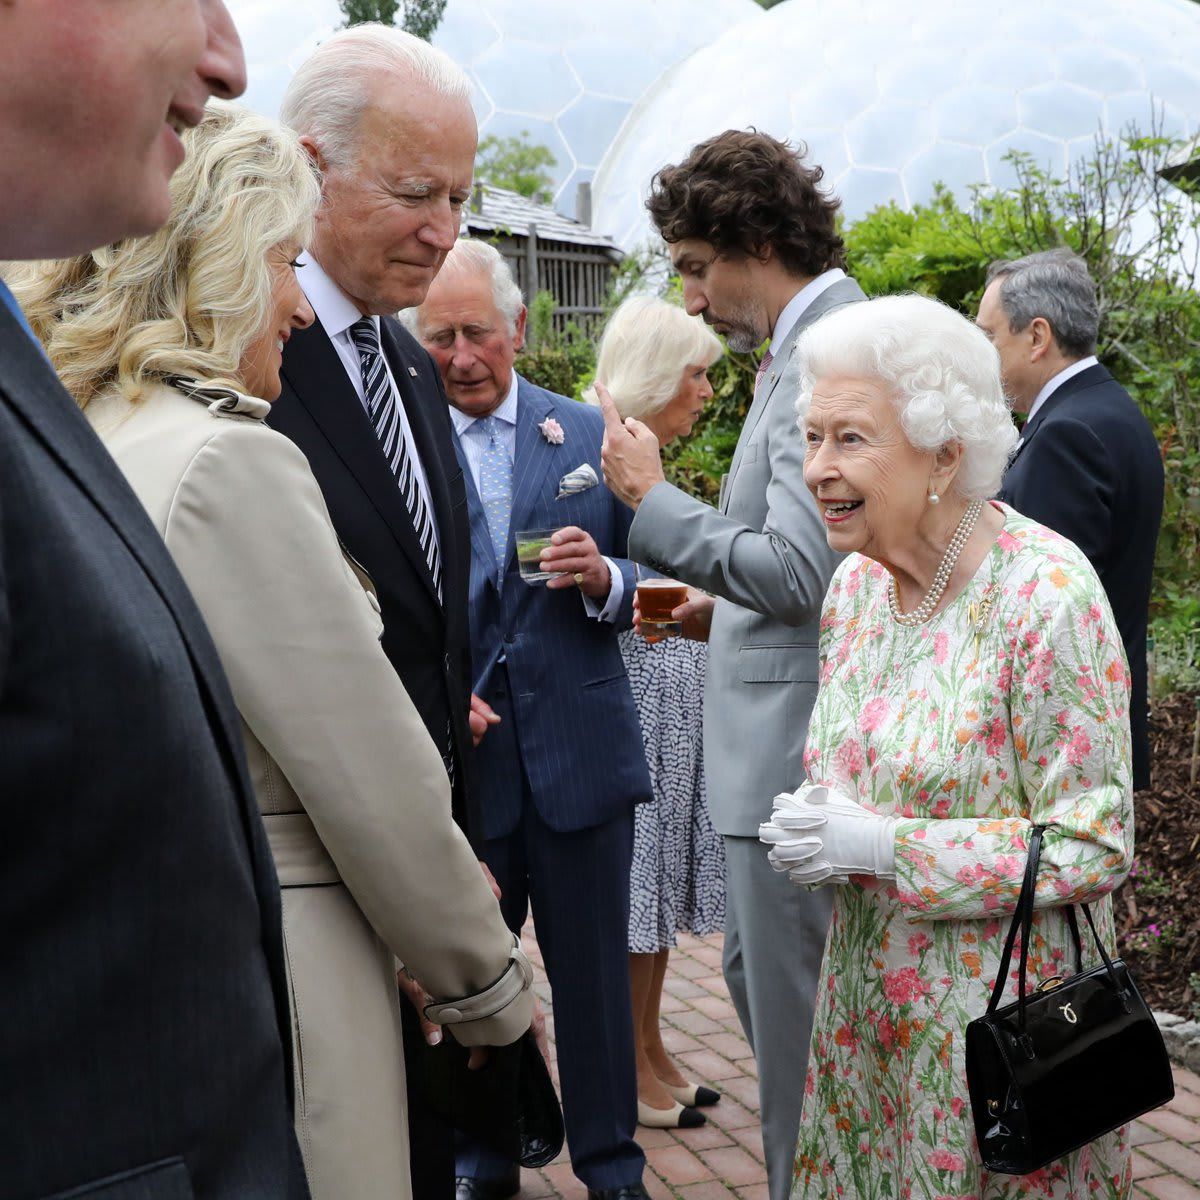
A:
x: 576, y: 481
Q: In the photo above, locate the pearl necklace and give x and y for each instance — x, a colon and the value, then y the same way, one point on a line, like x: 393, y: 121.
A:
x: 925, y: 609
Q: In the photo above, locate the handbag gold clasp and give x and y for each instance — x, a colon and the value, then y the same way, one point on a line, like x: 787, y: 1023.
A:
x: 1048, y: 985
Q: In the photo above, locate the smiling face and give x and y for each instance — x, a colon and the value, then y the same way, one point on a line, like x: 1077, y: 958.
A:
x: 259, y: 369
x: 871, y: 484
x: 389, y: 217
x: 683, y: 410
x: 95, y: 97
x: 725, y: 290
x: 470, y: 340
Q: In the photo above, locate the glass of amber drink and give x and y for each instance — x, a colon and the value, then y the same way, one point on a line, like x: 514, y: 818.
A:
x: 658, y: 597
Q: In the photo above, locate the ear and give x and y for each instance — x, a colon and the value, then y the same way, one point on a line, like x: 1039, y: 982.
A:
x: 310, y: 147
x: 519, y: 330
x: 1041, y: 338
x: 946, y: 464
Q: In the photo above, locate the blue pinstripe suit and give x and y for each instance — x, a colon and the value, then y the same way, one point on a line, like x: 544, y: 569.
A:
x: 557, y: 780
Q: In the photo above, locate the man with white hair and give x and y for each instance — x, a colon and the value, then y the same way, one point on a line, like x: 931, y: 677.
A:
x: 560, y: 774
x: 145, y: 1038
x: 387, y: 122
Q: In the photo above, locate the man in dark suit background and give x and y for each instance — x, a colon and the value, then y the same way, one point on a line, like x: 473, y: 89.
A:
x: 387, y: 121
x: 560, y: 774
x: 1088, y: 464
x: 144, y: 1030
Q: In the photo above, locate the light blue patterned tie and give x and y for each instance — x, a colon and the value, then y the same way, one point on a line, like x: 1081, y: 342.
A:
x: 495, y: 487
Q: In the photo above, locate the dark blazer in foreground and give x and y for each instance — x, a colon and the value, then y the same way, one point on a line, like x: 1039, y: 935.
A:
x: 1089, y: 467
x: 425, y: 639
x: 144, y: 1030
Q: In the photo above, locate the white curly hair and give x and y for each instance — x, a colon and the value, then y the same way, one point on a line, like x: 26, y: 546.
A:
x: 943, y: 372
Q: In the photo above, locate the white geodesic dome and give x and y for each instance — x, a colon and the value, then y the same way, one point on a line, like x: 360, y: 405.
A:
x: 567, y: 72
x: 892, y: 96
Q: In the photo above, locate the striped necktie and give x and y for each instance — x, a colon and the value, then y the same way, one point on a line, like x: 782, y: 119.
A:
x: 762, y: 370
x: 385, y: 417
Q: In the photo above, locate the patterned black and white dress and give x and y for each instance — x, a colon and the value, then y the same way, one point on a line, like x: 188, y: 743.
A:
x: 677, y: 883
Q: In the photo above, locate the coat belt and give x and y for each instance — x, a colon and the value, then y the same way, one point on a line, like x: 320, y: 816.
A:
x: 301, y: 859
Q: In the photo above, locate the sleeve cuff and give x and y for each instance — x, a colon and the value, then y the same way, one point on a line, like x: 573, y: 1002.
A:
x: 616, y: 593
x: 517, y: 978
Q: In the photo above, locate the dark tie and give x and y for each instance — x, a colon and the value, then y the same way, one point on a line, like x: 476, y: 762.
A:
x: 382, y: 405
x: 762, y: 370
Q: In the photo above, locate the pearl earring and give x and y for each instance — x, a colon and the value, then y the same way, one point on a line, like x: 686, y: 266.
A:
x: 934, y: 497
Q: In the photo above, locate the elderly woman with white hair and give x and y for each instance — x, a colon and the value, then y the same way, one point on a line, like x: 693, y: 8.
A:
x: 654, y: 360
x: 172, y: 346
x: 972, y: 686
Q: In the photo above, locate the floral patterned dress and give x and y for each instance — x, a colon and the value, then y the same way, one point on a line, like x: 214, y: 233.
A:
x: 1009, y: 708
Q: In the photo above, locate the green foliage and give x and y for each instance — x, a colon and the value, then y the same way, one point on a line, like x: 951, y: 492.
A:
x: 418, y: 17
x: 1150, y: 328
x: 560, y: 362
x: 517, y: 164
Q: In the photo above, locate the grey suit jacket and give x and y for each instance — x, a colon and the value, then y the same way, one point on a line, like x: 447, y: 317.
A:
x: 765, y: 557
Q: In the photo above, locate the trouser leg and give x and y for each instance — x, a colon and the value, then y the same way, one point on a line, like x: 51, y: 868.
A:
x: 775, y: 939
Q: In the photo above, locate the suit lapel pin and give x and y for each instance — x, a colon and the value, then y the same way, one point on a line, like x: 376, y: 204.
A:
x: 413, y: 372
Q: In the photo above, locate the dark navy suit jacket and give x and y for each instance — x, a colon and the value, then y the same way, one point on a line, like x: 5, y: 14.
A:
x: 425, y: 639
x: 577, y: 728
x: 1089, y: 467
x: 145, y: 1041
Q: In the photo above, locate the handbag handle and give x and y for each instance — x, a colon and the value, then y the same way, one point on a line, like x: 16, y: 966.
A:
x: 1023, y: 920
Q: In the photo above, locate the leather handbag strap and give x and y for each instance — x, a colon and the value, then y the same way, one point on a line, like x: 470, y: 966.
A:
x: 1023, y: 920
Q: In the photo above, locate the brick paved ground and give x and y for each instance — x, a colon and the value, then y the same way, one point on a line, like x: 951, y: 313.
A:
x: 723, y: 1159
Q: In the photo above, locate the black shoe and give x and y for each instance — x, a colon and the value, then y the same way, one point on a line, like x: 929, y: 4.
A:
x: 467, y: 1187
x: 631, y: 1191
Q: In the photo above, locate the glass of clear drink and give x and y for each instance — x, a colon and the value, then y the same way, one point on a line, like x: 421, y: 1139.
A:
x: 530, y: 544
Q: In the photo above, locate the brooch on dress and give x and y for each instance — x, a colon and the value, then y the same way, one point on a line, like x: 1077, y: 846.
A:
x: 978, y: 612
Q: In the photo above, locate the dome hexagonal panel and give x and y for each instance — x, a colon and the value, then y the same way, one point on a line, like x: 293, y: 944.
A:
x: 919, y: 93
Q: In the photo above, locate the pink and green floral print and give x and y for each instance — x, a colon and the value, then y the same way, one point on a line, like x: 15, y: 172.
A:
x: 1008, y: 709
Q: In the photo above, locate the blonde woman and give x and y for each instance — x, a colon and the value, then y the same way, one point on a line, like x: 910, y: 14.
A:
x: 172, y: 347
x: 654, y: 359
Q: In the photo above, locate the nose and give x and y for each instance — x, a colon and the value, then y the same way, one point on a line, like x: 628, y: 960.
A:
x: 694, y: 300
x: 303, y: 315
x: 819, y: 465
x: 223, y: 65
x: 463, y: 356
x: 706, y: 389
x: 441, y: 230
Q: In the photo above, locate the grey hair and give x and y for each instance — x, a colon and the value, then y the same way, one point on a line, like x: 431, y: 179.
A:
x: 943, y: 372
x: 1054, y: 285
x: 326, y: 97
x: 647, y: 345
x: 471, y: 256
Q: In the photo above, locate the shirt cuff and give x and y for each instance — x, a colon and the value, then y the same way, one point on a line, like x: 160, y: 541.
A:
x: 616, y: 593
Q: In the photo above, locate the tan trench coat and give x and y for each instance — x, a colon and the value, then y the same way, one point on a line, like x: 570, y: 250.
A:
x: 352, y: 790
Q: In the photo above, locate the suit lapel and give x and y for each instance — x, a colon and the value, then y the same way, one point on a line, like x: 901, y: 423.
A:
x: 534, y: 456
x: 481, y: 535
x: 318, y: 378
x: 1088, y: 378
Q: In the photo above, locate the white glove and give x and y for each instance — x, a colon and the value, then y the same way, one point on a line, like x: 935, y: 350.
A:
x: 820, y: 836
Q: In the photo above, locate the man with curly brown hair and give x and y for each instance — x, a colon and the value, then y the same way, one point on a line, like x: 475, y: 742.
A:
x: 753, y: 236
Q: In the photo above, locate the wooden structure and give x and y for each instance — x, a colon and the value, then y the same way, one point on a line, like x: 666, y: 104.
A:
x: 547, y: 252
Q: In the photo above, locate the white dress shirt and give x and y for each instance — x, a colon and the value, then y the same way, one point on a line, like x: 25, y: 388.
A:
x: 795, y: 307
x: 473, y: 448
x: 1052, y: 385
x: 337, y: 312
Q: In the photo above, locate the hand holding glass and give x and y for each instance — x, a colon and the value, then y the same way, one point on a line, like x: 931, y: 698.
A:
x: 657, y: 598
x: 530, y: 544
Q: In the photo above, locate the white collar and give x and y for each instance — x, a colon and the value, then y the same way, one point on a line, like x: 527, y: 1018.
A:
x: 507, y: 411
x: 1053, y: 384
x: 796, y: 306
x: 335, y: 310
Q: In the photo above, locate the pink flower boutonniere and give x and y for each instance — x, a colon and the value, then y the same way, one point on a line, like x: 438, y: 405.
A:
x: 552, y: 431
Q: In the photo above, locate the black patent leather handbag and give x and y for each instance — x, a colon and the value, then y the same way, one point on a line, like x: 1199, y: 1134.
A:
x: 1071, y: 1061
